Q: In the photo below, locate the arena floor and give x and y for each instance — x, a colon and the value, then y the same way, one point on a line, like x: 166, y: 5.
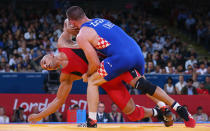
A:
x: 102, y: 127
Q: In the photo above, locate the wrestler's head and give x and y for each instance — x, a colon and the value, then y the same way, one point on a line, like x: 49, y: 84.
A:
x: 75, y: 15
x: 49, y: 62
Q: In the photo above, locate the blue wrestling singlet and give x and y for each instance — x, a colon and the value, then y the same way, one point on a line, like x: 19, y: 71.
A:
x: 122, y: 51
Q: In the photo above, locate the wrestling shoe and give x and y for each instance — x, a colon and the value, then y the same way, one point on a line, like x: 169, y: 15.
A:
x: 165, y: 115
x: 184, y: 114
x: 89, y: 123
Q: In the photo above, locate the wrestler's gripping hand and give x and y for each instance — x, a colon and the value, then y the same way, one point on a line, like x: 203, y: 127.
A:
x: 33, y: 118
x: 70, y: 28
x: 85, y: 77
x: 45, y: 64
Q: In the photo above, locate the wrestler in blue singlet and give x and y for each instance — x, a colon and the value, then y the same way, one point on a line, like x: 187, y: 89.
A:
x: 122, y: 51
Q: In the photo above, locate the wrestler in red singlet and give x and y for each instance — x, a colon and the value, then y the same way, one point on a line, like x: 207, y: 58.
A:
x: 78, y: 65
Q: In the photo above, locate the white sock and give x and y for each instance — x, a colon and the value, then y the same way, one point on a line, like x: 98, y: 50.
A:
x: 154, y: 112
x: 176, y: 105
x: 161, y: 104
x: 92, y: 115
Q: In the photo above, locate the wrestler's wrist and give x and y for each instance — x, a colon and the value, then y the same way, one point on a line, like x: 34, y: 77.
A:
x: 88, y: 74
x: 40, y: 116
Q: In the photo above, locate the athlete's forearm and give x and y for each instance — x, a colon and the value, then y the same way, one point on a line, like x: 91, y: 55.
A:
x: 94, y: 62
x: 52, y: 107
x: 92, y: 69
x: 65, y: 38
x: 90, y: 53
x: 62, y: 94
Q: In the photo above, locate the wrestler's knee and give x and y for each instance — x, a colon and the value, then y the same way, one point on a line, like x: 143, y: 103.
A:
x: 130, y: 107
x: 145, y: 86
x: 133, y: 82
x: 137, y: 114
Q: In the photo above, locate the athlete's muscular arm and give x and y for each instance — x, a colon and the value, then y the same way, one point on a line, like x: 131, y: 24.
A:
x: 65, y: 40
x: 83, y: 39
x: 63, y: 92
x: 69, y: 28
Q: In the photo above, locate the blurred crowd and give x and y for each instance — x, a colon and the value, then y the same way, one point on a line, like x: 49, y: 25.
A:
x: 28, y: 34
x: 190, y: 87
x: 193, y: 21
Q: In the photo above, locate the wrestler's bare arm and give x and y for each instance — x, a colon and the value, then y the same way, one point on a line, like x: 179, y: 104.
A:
x: 83, y: 39
x: 65, y: 40
x: 63, y: 92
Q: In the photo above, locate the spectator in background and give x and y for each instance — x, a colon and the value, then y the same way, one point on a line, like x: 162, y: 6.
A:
x: 35, y: 36
x: 174, y: 49
x: 207, y: 83
x: 55, y: 117
x: 196, y: 83
x: 156, y: 58
x: 190, y: 21
x: 200, y: 116
x: 18, y: 115
x: 114, y: 115
x: 144, y: 51
x: 3, y: 118
x: 7, y: 68
x: 163, y: 71
x: 35, y: 110
x: 36, y: 60
x: 169, y: 68
x: 208, y: 70
x: 75, y: 107
x: 41, y: 33
x: 165, y: 55
x: 202, y: 70
x: 12, y: 60
x: 3, y: 63
x: 180, y: 69
x: 158, y: 69
x: 150, y: 68
x: 189, y: 70
x: 189, y: 89
x: 101, y: 115
x: 191, y: 61
x: 182, y: 16
x: 205, y: 61
x: 169, y: 87
x: 179, y: 85
x: 192, y: 52
x: 201, y: 90
x: 3, y: 54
